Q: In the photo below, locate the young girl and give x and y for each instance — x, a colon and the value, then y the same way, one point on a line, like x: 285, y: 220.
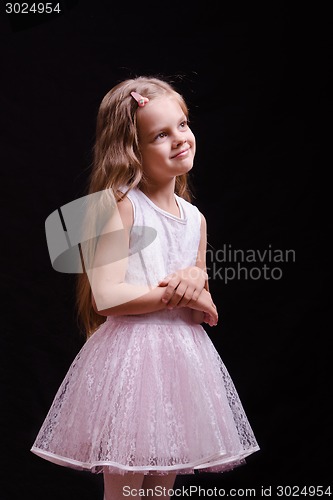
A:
x: 148, y: 396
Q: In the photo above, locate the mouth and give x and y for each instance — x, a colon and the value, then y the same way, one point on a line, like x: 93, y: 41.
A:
x: 181, y: 153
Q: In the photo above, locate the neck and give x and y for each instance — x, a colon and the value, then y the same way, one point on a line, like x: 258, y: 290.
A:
x: 162, y: 195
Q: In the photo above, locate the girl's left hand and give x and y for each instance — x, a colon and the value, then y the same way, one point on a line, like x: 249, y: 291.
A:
x: 183, y: 286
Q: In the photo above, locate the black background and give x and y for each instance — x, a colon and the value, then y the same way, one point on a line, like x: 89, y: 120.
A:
x: 257, y: 78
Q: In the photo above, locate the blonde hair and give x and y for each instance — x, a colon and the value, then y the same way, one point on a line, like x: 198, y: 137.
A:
x: 117, y: 164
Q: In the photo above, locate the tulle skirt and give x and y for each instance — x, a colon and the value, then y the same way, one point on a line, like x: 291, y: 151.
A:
x: 150, y: 394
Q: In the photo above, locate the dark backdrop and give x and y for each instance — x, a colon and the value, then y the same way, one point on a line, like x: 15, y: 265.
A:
x: 257, y: 80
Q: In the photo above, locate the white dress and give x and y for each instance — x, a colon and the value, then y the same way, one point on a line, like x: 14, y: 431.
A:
x: 149, y: 393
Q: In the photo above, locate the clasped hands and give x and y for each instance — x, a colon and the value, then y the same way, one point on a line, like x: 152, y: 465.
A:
x: 186, y: 288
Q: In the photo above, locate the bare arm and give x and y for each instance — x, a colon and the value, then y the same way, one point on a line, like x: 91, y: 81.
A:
x: 201, y: 257
x: 199, y: 316
x: 111, y: 295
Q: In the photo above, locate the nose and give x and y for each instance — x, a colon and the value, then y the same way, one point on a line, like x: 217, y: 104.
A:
x: 179, y: 141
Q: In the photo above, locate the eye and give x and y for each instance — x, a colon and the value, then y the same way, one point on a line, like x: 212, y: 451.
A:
x: 183, y: 124
x: 161, y: 135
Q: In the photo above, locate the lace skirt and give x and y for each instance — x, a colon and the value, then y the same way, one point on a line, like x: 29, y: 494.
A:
x: 149, y: 394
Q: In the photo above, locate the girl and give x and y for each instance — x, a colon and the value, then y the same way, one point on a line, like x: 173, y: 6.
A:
x: 148, y: 396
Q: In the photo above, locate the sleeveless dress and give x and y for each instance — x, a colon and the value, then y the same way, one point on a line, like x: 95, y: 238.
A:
x: 149, y: 393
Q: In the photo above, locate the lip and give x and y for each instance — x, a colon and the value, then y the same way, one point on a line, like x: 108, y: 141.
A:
x: 181, y: 153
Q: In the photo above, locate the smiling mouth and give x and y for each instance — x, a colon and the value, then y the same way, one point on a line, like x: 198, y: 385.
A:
x: 181, y: 153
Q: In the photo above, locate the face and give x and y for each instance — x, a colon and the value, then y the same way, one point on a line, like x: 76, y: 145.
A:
x: 167, y: 144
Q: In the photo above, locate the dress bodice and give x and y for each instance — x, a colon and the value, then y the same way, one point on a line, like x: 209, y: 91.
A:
x: 160, y: 242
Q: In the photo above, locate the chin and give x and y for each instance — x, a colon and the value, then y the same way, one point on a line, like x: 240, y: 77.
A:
x: 187, y: 168
x: 183, y: 171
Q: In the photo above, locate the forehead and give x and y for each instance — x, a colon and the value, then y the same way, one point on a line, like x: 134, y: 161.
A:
x: 161, y: 111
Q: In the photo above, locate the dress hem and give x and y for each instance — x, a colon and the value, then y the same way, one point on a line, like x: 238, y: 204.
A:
x: 214, y: 461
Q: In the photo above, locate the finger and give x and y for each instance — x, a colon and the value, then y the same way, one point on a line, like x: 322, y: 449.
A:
x: 177, y: 296
x: 170, y: 289
x: 196, y: 293
x: 187, y: 297
x: 212, y: 319
x: 183, y: 302
x: 165, y: 281
x: 208, y: 319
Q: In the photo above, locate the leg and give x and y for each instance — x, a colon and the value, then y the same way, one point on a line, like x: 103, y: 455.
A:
x: 114, y: 484
x: 164, y: 483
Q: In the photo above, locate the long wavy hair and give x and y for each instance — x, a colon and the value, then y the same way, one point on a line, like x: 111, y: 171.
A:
x: 117, y: 164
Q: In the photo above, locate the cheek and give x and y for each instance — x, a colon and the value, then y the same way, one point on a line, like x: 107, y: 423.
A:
x: 191, y: 138
x: 193, y: 142
x: 152, y: 157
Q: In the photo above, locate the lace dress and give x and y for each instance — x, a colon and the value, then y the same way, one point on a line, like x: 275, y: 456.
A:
x: 149, y: 393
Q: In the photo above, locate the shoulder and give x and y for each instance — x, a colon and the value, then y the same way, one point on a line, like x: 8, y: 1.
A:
x: 190, y: 208
x: 203, y: 224
x: 203, y: 220
x: 126, y: 212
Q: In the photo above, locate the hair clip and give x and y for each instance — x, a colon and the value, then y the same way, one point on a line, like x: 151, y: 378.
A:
x: 139, y: 99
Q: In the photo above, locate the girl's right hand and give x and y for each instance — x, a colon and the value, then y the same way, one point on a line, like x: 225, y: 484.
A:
x: 205, y: 304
